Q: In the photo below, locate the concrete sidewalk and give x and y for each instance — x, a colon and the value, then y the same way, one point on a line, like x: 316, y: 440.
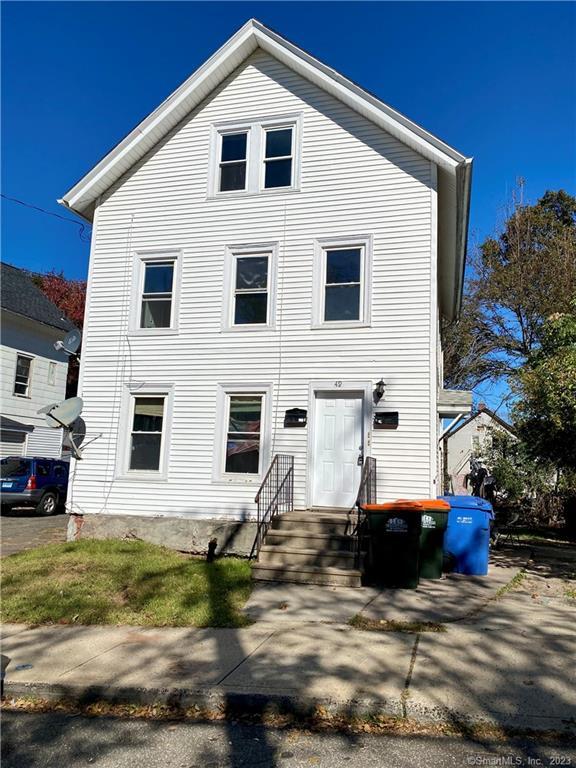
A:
x: 506, y: 659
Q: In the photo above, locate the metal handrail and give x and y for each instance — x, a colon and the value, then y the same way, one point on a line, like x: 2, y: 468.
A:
x: 367, y: 494
x: 275, y: 495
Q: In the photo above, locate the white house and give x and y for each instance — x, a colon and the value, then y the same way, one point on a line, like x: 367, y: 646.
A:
x: 272, y: 237
x: 470, y: 437
x: 33, y: 372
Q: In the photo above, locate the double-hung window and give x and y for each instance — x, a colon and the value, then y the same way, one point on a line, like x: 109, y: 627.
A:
x: 23, y: 376
x: 250, y: 286
x: 146, y: 434
x: 242, y: 441
x: 251, y: 290
x: 243, y: 435
x: 155, y: 292
x: 233, y: 161
x: 256, y: 156
x: 278, y: 157
x: 342, y: 282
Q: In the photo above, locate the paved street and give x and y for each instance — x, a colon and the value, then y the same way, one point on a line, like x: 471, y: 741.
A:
x: 22, y: 529
x: 46, y: 740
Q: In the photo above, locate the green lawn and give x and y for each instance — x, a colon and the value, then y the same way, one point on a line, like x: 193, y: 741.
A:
x: 123, y: 582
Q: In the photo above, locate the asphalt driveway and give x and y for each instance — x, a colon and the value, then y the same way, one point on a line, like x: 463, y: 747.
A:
x: 22, y: 529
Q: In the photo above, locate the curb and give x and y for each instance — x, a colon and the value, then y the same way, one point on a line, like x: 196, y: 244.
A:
x: 237, y: 703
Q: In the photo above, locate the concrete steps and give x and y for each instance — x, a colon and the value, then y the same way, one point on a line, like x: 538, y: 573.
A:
x: 329, y: 577
x: 309, y: 547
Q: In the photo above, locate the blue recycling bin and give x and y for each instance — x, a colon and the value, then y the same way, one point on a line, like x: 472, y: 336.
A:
x: 467, y: 537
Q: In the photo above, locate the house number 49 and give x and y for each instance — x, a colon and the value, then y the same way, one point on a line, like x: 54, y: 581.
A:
x: 337, y: 383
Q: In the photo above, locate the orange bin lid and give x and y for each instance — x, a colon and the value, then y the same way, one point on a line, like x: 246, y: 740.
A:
x: 395, y: 506
x: 430, y: 504
x: 413, y: 505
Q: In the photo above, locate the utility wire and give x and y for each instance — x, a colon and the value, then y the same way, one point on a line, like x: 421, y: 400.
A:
x: 83, y: 234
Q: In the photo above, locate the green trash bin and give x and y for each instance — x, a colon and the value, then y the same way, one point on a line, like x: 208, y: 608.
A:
x: 434, y: 524
x: 394, y: 544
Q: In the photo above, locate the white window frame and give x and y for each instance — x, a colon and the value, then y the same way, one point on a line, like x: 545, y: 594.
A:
x: 126, y: 425
x: 141, y: 258
x: 256, y: 129
x: 51, y: 373
x: 27, y: 394
x: 233, y: 253
x: 223, y: 393
x: 321, y: 246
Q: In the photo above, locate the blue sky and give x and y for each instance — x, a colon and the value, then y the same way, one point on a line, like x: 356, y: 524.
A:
x: 495, y: 80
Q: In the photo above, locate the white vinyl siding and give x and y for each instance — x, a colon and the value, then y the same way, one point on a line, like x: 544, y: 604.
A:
x: 355, y: 179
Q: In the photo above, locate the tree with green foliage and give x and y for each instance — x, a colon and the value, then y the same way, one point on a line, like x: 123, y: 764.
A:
x: 517, y: 279
x: 545, y: 412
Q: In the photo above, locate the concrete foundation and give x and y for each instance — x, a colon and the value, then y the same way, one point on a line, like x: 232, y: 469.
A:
x: 234, y: 538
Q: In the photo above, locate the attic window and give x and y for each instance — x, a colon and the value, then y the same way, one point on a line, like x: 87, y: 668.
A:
x: 255, y: 157
x: 233, y: 162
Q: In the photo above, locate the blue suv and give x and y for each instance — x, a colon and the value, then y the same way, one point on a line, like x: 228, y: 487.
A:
x: 33, y: 482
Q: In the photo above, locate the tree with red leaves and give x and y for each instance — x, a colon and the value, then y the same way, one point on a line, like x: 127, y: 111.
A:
x: 70, y: 297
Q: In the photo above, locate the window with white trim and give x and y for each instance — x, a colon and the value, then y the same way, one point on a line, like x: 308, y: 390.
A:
x: 278, y: 157
x: 52, y: 373
x: 23, y: 376
x: 256, y: 156
x: 155, y: 292
x: 243, y: 434
x: 342, y: 282
x: 156, y: 310
x: 147, y: 432
x: 233, y: 161
x: 250, y: 286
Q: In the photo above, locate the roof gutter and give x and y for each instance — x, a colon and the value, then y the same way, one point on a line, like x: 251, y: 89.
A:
x: 463, y: 189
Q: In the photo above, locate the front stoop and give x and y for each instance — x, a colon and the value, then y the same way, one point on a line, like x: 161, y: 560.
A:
x: 309, y: 547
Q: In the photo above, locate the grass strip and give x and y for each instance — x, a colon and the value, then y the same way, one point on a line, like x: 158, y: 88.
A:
x: 390, y: 625
x: 123, y: 582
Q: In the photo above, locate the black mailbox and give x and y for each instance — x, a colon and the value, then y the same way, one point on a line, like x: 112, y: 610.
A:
x: 388, y: 420
x: 295, y: 417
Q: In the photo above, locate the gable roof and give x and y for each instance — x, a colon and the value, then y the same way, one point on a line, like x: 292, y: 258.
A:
x: 483, y: 409
x: 19, y: 295
x: 454, y: 169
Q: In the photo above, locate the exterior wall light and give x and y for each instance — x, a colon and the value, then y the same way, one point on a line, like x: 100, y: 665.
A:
x: 379, y: 390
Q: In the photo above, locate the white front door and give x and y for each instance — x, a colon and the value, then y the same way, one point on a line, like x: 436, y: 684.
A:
x: 338, y: 444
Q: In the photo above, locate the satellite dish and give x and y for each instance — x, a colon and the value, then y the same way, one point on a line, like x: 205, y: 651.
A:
x: 70, y: 343
x: 65, y: 413
x: 78, y: 430
x: 46, y: 408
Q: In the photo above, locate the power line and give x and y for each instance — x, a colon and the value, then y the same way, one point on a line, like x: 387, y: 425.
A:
x: 83, y: 234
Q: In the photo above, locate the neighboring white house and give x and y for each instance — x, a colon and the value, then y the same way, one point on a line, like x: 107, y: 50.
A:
x: 270, y: 238
x: 33, y: 372
x: 471, y: 437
